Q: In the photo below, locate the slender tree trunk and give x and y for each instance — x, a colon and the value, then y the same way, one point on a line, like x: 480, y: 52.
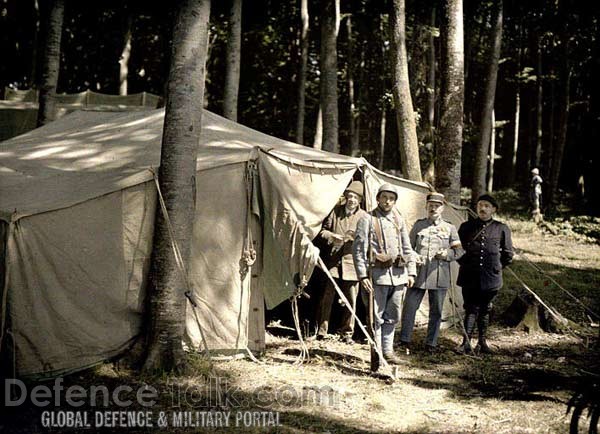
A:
x: 33, y: 81
x: 177, y: 177
x: 318, y: 140
x: 490, y: 181
x: 561, y: 141
x: 448, y: 148
x: 382, y: 126
x: 539, y: 103
x: 304, y: 18
x: 353, y: 112
x: 431, y: 79
x: 233, y: 55
x: 51, y: 64
x: 405, y: 116
x: 516, y: 123
x: 330, y: 18
x: 125, y: 53
x: 551, y: 129
x: 488, y: 106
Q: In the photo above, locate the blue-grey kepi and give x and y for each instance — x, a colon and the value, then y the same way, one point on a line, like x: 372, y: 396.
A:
x: 435, y: 197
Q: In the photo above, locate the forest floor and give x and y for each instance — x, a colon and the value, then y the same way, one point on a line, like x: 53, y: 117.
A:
x: 523, y: 388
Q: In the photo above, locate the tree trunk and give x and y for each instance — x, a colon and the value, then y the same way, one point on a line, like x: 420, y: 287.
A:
x: 125, y: 53
x: 405, y: 116
x: 483, y: 146
x: 35, y: 37
x: 431, y: 79
x: 330, y: 18
x: 51, y: 64
x: 233, y: 55
x: 382, y: 126
x: 318, y: 141
x: 539, y: 104
x: 353, y: 113
x: 177, y: 177
x: 516, y: 123
x: 448, y: 149
x: 559, y: 146
x: 304, y: 17
x: 490, y: 181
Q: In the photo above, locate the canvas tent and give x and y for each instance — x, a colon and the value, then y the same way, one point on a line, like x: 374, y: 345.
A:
x: 77, y: 206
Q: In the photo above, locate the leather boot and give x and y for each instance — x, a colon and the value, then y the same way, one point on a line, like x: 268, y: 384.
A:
x: 469, y: 323
x: 482, y: 324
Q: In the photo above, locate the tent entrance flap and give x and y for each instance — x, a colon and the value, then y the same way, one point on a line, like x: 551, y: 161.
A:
x: 296, y: 198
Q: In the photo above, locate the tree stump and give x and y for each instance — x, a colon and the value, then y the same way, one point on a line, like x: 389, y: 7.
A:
x: 527, y: 314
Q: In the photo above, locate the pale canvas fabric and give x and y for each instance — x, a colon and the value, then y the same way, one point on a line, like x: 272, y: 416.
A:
x: 81, y: 202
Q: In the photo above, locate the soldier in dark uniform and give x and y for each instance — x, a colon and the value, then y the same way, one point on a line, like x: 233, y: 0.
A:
x: 488, y: 246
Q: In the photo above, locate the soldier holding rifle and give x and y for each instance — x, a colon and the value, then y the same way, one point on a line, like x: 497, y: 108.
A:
x: 382, y: 249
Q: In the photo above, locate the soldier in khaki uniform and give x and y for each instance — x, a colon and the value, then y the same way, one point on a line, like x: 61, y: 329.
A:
x: 385, y: 265
x: 338, y: 230
x: 436, y: 244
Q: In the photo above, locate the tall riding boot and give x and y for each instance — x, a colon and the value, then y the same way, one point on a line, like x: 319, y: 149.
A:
x: 470, y: 320
x: 482, y: 324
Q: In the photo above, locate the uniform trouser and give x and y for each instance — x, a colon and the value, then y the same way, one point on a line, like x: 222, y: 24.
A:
x: 478, y: 304
x: 350, y: 290
x: 387, y: 311
x: 414, y: 296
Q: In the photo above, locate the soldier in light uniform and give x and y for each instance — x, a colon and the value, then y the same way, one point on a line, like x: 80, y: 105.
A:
x: 382, y: 248
x: 436, y: 244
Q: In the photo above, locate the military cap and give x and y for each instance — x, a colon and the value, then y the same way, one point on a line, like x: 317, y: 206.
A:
x: 435, y: 197
x: 356, y: 187
x: 488, y: 198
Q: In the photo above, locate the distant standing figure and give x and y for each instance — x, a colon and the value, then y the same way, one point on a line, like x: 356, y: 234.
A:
x: 338, y: 230
x: 535, y: 194
x: 488, y: 249
x: 436, y: 244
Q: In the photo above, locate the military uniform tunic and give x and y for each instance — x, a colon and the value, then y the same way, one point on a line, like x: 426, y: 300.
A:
x: 488, y: 247
x: 428, y: 238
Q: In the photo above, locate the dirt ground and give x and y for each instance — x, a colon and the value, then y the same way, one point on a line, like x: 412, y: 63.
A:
x: 523, y: 388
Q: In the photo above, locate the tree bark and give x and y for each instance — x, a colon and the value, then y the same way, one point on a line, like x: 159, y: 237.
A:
x: 304, y: 18
x: 318, y: 140
x: 490, y: 180
x: 51, y: 64
x: 448, y: 148
x: 431, y: 79
x: 405, y: 116
x: 352, y: 111
x: 125, y: 53
x: 177, y: 177
x: 233, y: 56
x: 330, y: 18
x: 483, y: 146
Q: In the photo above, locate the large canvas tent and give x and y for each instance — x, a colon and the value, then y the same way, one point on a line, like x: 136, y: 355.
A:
x: 77, y: 207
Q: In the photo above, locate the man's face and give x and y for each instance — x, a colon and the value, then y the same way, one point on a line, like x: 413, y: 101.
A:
x: 485, y: 210
x: 386, y: 201
x: 434, y: 210
x: 352, y: 200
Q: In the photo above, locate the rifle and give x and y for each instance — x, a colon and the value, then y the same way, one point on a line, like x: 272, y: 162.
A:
x: 375, y: 360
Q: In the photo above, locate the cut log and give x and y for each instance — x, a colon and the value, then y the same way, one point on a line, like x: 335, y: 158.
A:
x: 528, y: 314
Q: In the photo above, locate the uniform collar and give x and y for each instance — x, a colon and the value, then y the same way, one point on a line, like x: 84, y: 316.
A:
x: 435, y: 222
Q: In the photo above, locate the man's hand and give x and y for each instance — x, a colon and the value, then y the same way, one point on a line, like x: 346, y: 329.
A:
x: 411, y: 281
x: 337, y: 241
x: 367, y: 284
x: 442, y: 255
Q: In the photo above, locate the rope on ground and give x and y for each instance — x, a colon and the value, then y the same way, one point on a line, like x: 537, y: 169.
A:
x: 538, y: 269
x: 304, y: 355
x: 349, y: 307
x: 179, y: 259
